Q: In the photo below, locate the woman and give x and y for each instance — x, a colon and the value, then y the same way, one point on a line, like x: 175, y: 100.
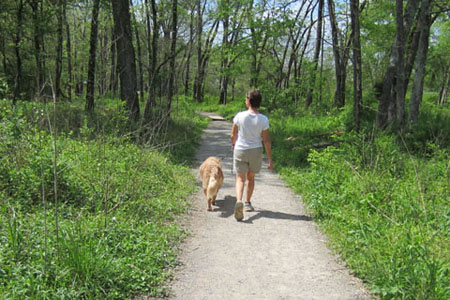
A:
x: 249, y: 132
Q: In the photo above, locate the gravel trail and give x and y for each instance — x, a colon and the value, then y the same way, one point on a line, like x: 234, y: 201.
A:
x: 276, y: 252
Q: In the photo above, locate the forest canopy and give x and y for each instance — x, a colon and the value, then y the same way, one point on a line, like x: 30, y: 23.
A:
x: 301, y: 53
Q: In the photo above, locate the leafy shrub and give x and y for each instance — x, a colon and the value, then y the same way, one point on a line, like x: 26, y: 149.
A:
x: 433, y: 127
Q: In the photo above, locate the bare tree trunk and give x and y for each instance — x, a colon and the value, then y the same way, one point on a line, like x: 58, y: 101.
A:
x: 3, y: 51
x: 189, y: 55
x: 340, y: 51
x: 296, y: 43
x: 412, y: 7
x: 299, y: 64
x: 139, y: 58
x: 225, y: 45
x: 198, y: 77
x: 149, y: 105
x: 385, y: 100
x: 422, y: 51
x: 203, y: 52
x: 173, y: 49
x: 392, y: 102
x: 357, y: 71
x: 113, y: 76
x: 69, y: 56
x: 400, y: 67
x: 258, y: 47
x: 17, y: 41
x: 309, y: 97
x: 126, y: 59
x: 59, y: 50
x: 149, y: 44
x: 321, y: 68
x: 411, y: 56
x: 386, y: 107
x: 79, y: 74
x: 443, y: 90
x: 89, y: 107
x: 103, y: 64
x: 37, y: 37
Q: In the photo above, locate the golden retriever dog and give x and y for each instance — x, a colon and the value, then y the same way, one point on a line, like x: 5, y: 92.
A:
x: 212, y: 179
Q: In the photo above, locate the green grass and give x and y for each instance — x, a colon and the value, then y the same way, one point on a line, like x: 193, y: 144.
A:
x: 113, y: 233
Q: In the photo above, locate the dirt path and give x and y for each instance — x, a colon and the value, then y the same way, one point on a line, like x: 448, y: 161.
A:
x: 275, y: 253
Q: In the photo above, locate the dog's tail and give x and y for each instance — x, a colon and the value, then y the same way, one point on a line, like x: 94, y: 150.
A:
x: 213, y: 183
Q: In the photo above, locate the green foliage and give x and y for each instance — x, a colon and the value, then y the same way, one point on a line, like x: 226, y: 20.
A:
x: 118, y: 202
x: 432, y: 128
x: 292, y: 137
x: 384, y: 205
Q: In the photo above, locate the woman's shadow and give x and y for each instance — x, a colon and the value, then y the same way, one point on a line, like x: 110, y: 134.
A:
x: 226, y: 208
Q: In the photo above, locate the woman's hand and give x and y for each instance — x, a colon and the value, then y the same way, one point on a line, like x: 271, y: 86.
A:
x: 270, y: 166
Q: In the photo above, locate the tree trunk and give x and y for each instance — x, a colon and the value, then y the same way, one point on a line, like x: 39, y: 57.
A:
x: 391, y: 108
x: 203, y: 52
x: 411, y: 56
x: 443, y: 90
x: 150, y: 103
x: 357, y: 71
x: 37, y: 39
x: 412, y: 7
x: 198, y: 77
x: 400, y: 67
x: 139, y: 58
x: 258, y: 41
x: 89, y: 107
x: 3, y: 51
x: 296, y: 41
x: 340, y: 58
x: 103, y: 86
x: 422, y: 51
x: 299, y: 65
x: 113, y: 76
x: 17, y: 42
x: 126, y: 59
x: 309, y: 97
x: 173, y: 48
x: 69, y: 56
x: 149, y: 44
x: 59, y: 50
x: 225, y: 48
x: 189, y: 55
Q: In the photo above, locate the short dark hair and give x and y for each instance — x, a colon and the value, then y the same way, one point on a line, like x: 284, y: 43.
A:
x: 255, y: 98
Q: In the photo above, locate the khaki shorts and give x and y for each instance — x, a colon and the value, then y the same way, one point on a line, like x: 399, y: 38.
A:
x: 248, y: 160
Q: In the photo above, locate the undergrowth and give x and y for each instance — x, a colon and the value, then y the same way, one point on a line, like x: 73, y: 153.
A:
x: 381, y: 198
x: 101, y: 221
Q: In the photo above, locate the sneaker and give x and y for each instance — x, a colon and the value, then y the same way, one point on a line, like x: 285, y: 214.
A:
x: 238, y: 211
x: 248, y: 206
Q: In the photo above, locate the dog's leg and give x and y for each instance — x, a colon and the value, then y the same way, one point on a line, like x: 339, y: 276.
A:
x: 209, y: 204
x: 214, y: 200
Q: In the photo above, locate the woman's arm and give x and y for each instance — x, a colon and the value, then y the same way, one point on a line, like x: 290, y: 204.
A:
x: 234, y: 134
x: 268, y: 147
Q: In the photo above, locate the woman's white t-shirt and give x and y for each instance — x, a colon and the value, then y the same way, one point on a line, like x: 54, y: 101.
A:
x: 250, y: 126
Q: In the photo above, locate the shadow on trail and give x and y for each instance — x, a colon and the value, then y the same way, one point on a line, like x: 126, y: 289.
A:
x: 226, y: 208
x: 276, y: 215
